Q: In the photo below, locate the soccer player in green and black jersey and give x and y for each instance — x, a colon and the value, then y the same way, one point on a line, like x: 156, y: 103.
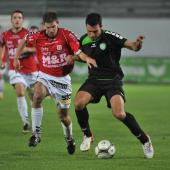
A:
x: 106, y: 80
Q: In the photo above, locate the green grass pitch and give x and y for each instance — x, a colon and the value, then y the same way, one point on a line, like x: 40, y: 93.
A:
x: 150, y: 104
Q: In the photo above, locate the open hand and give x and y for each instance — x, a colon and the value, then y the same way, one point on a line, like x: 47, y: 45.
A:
x: 91, y: 62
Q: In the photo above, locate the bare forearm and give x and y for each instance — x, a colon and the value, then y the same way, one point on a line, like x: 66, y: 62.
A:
x: 77, y: 58
x: 2, y: 51
x: 90, y: 61
x: 28, y: 49
x: 82, y: 56
x: 20, y: 48
x: 135, y: 45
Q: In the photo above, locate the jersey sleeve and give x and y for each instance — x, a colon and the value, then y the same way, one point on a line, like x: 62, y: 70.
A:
x: 72, y: 41
x: 116, y: 38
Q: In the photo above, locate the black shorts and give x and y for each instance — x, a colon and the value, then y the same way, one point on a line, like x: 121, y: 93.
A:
x: 99, y: 88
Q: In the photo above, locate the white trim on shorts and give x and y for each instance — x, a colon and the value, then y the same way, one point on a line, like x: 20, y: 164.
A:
x: 27, y: 79
x: 58, y: 87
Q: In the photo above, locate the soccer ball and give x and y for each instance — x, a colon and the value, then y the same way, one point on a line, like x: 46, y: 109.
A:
x: 105, y: 149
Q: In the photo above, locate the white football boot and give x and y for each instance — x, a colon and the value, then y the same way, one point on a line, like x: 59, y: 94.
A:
x: 148, y: 149
x: 85, y: 145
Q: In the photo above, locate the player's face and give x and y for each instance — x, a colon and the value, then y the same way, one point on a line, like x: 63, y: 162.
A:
x: 94, y: 32
x: 51, y: 28
x: 17, y: 20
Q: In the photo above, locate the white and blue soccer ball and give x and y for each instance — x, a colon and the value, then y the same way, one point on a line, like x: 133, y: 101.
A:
x: 105, y: 149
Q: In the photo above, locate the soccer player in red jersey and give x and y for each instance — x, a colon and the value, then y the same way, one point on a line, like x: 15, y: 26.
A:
x: 2, y: 69
x: 56, y: 48
x: 27, y: 75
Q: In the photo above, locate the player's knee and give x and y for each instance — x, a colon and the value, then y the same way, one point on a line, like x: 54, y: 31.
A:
x: 37, y: 98
x: 79, y: 104
x: 119, y: 115
x: 20, y: 94
x: 65, y: 119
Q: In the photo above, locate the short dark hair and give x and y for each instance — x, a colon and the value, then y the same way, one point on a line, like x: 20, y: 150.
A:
x: 50, y: 17
x: 34, y: 27
x: 17, y: 11
x: 93, y: 19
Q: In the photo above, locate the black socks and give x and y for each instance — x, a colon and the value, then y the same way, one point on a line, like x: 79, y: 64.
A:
x: 134, y: 127
x: 83, y: 117
x: 129, y: 121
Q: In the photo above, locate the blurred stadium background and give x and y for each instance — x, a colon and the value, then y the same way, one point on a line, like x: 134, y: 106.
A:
x: 127, y: 17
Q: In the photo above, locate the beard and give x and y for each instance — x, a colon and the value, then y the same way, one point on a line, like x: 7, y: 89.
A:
x: 52, y: 35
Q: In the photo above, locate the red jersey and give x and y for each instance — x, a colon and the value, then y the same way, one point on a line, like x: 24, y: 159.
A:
x: 11, y: 40
x: 51, y: 52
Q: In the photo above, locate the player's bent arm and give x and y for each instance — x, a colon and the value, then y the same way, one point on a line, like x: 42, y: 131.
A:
x: 29, y: 49
x: 90, y: 61
x: 2, y: 53
x: 20, y: 48
x: 134, y: 45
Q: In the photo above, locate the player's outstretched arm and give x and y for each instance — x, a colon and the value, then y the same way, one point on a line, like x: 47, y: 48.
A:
x: 135, y: 45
